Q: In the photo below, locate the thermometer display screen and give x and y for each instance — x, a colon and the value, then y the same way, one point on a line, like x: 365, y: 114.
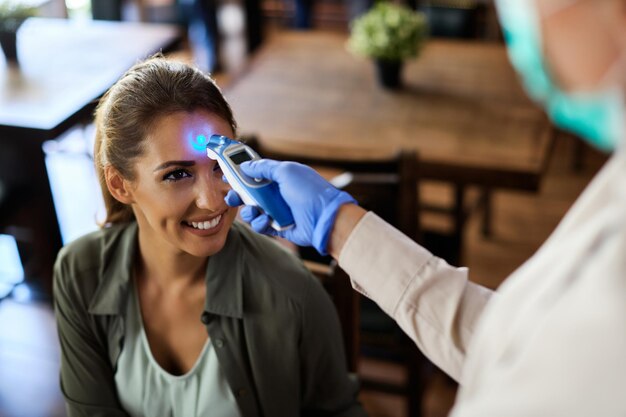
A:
x: 240, y: 157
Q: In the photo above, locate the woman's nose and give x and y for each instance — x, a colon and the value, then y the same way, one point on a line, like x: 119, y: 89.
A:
x: 210, y: 193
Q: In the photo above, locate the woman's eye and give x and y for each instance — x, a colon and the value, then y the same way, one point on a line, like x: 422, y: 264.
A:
x: 176, y: 175
x: 217, y: 167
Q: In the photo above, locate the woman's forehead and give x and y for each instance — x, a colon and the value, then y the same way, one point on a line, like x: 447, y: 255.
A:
x: 187, y: 132
x: 196, y: 121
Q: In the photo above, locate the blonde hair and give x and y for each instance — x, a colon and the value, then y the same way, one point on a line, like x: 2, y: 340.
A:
x: 126, y: 113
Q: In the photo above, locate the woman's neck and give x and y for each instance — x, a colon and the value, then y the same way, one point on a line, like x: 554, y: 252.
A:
x: 166, y: 267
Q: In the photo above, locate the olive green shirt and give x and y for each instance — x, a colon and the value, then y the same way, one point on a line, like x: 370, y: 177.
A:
x: 274, y: 328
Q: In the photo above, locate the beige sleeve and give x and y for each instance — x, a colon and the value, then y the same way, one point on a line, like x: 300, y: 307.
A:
x: 433, y: 302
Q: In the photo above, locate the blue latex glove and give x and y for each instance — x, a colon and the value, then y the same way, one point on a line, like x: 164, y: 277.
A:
x: 313, y: 201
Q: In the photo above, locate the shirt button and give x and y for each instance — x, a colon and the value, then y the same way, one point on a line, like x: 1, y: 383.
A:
x: 219, y: 343
x: 205, y: 318
x: 241, y: 392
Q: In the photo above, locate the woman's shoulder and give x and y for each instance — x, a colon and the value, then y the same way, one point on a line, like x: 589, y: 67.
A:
x: 86, y: 251
x: 79, y: 265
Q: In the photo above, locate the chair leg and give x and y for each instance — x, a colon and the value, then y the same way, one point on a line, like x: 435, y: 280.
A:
x: 459, y: 216
x: 487, y: 203
x: 419, y: 372
x: 578, y: 155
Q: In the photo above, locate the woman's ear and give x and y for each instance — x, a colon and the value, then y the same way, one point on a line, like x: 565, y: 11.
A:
x: 118, y: 186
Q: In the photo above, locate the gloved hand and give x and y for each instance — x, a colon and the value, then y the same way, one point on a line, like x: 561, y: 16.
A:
x: 313, y: 201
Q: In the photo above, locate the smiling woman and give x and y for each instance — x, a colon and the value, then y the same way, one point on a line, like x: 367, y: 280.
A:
x: 172, y: 308
x: 177, y: 193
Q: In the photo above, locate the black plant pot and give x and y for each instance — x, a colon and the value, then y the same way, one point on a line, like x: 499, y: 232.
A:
x: 389, y: 73
x: 8, y: 42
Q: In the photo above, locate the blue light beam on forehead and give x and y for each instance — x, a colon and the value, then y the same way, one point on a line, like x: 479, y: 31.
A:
x: 199, y: 144
x: 196, y: 142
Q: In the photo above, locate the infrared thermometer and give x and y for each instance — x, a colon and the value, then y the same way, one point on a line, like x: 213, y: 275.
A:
x: 258, y: 192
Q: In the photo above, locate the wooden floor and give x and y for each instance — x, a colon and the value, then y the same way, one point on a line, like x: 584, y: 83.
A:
x: 29, y: 361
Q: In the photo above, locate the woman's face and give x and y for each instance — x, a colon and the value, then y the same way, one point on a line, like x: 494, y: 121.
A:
x: 178, y: 192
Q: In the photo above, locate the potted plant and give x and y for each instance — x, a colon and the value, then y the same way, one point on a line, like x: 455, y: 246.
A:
x: 389, y: 34
x: 12, y: 15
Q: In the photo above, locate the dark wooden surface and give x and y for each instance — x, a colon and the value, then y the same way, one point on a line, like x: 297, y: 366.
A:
x: 461, y: 108
x: 65, y: 66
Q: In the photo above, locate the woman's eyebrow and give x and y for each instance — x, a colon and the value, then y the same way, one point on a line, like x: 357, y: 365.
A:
x: 174, y: 163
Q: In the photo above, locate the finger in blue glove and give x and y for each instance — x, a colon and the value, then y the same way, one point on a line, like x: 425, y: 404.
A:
x: 233, y: 199
x: 249, y: 213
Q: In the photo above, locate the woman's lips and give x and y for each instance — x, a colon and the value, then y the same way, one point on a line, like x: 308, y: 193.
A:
x: 205, y: 227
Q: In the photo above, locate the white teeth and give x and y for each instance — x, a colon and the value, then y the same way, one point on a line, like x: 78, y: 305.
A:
x: 206, y: 225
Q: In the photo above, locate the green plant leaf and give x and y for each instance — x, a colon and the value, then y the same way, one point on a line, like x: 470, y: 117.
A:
x: 389, y: 32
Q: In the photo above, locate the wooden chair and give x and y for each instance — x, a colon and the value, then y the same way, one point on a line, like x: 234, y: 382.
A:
x: 386, y: 185
x: 346, y: 300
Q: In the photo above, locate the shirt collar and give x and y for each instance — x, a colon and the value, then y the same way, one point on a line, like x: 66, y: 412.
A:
x: 224, y: 286
x: 224, y: 278
x: 116, y: 263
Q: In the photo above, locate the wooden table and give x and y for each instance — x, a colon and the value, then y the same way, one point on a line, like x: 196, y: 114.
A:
x: 461, y: 108
x: 65, y: 66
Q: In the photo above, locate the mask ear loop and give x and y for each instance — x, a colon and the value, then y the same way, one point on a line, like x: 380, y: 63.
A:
x: 614, y: 78
x: 616, y: 74
x: 613, y: 82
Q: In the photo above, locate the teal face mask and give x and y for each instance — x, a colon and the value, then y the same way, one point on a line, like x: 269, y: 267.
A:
x: 596, y: 116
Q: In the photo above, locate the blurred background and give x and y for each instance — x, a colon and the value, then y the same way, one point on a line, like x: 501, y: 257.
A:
x: 489, y: 177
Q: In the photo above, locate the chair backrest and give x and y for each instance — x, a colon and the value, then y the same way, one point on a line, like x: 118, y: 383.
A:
x: 346, y: 300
